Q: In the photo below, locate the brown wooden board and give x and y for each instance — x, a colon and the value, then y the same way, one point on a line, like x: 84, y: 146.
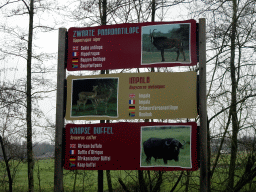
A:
x: 132, y: 96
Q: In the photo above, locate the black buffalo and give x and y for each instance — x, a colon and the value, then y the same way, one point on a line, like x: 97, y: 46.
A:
x: 166, y: 149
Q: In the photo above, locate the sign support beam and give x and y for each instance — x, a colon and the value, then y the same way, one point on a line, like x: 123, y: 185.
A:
x: 204, y: 185
x: 58, y: 169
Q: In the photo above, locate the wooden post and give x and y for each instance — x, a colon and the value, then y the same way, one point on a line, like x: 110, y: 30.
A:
x: 103, y: 22
x: 100, y: 172
x: 204, y: 179
x: 100, y: 180
x: 58, y: 169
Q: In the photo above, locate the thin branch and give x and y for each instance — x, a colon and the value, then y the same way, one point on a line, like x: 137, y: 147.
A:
x: 42, y: 92
x: 7, y: 3
x: 224, y: 109
x: 26, y: 5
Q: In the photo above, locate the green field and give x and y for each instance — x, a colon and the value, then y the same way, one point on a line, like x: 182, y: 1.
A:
x: 44, y: 178
x: 88, y: 110
x: 87, y: 180
x: 155, y: 57
x: 178, y: 133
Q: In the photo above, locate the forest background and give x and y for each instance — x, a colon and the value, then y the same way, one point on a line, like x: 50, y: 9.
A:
x: 28, y: 69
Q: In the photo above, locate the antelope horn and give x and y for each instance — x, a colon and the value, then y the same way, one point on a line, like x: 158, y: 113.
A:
x: 153, y: 31
x: 152, y: 34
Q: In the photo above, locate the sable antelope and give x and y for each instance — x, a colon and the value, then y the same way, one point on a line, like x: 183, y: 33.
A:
x: 162, y: 43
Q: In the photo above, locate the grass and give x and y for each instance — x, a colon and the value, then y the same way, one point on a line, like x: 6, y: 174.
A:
x: 89, y: 110
x: 87, y: 180
x: 155, y: 57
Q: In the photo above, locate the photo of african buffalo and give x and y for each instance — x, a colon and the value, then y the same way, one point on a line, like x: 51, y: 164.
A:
x: 169, y: 146
x: 166, y: 149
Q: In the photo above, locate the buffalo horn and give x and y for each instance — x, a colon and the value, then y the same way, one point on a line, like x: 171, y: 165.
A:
x: 167, y: 143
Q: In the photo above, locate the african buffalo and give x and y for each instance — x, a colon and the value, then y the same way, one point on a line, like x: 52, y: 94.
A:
x: 166, y: 149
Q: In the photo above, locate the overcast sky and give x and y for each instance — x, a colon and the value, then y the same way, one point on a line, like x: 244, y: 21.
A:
x: 14, y: 68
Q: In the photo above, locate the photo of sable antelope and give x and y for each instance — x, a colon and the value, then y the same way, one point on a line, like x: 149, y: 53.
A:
x: 94, y: 97
x: 162, y: 43
x: 166, y: 43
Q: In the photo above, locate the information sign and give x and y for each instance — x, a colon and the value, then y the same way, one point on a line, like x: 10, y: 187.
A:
x: 131, y: 146
x: 134, y: 45
x: 132, y: 96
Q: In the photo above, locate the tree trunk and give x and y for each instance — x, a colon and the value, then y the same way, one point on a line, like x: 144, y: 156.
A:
x: 74, y: 186
x: 150, y: 182
x: 209, y: 154
x: 153, y: 11
x: 177, y: 182
x: 103, y: 15
x: 100, y: 180
x: 187, y: 181
x: 110, y: 189
x: 123, y: 185
x: 159, y: 182
x: 142, y: 183
x: 233, y: 108
x: 39, y: 176
x: 29, y: 104
x: 6, y: 164
x: 153, y: 20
